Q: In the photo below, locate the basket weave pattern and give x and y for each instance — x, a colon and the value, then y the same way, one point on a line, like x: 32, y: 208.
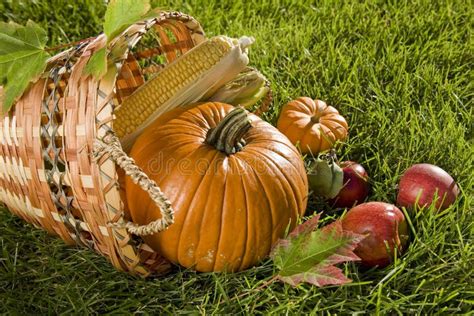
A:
x: 47, y: 174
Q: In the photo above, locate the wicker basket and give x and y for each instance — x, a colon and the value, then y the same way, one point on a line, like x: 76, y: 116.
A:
x: 47, y: 174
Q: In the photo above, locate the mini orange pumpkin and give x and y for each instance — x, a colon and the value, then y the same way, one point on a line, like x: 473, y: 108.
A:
x: 312, y: 125
x: 234, y: 181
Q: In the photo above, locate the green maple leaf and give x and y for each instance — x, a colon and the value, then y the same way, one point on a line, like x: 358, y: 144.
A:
x: 97, y: 64
x: 310, y: 254
x: 22, y: 58
x: 121, y: 14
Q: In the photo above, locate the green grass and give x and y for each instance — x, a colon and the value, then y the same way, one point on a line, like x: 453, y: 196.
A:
x: 401, y: 72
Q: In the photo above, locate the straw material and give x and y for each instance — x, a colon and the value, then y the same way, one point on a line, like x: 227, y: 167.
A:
x: 48, y: 173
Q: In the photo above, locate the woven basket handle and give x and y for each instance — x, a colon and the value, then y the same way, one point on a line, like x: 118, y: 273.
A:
x: 110, y: 144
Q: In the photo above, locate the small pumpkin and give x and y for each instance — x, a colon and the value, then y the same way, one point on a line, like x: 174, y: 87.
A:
x: 312, y: 125
x: 234, y: 181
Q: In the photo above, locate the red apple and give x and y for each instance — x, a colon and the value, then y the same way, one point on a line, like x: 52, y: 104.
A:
x: 422, y: 183
x: 386, y: 230
x: 355, y: 185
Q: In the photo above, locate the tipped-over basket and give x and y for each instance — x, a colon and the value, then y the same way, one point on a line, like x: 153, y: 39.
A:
x: 53, y: 174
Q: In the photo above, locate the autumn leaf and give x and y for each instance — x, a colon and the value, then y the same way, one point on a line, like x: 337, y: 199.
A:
x: 22, y: 58
x: 310, y: 254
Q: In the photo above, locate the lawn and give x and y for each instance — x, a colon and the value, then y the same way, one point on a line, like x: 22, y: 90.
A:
x: 401, y: 72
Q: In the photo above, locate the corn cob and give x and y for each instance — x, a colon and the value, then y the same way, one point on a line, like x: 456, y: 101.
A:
x: 249, y: 87
x: 193, y: 77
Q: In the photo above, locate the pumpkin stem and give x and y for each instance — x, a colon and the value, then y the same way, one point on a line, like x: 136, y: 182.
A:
x: 315, y: 118
x: 227, y: 135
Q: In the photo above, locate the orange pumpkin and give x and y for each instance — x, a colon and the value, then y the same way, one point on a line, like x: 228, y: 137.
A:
x: 234, y: 181
x: 312, y: 125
